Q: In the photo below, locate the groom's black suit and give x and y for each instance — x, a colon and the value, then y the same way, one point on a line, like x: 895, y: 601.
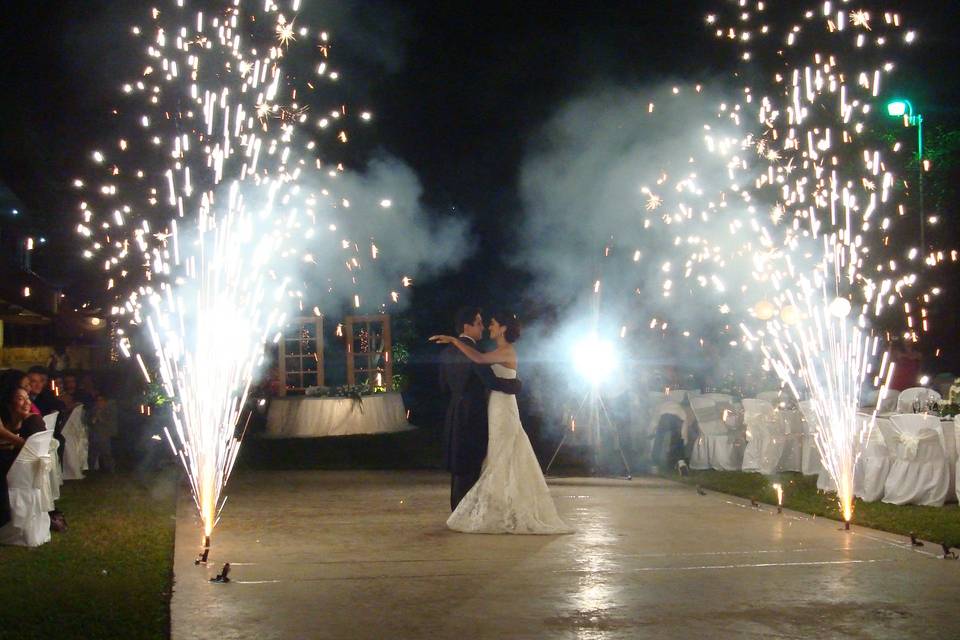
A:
x: 465, y: 424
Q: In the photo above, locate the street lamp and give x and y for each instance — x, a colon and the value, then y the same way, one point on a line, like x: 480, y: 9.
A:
x: 902, y: 108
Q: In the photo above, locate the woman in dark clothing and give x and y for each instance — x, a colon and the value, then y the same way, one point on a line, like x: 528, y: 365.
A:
x: 18, y: 424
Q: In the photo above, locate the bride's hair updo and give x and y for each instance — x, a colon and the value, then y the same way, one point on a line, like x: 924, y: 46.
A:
x: 510, y: 323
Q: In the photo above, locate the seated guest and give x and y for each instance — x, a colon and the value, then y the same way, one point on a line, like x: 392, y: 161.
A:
x: 102, y: 425
x: 59, y: 362
x: 15, y: 378
x: 40, y: 391
x: 17, y: 423
x: 68, y: 392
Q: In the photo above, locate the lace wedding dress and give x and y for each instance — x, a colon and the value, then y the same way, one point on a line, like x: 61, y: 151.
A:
x: 511, y: 495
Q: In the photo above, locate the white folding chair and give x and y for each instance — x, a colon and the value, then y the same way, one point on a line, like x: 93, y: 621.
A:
x: 764, y: 440
x: 773, y: 397
x: 28, y: 486
x: 76, y: 445
x: 888, y: 403
x: 909, y: 396
x: 870, y: 474
x: 919, y: 470
x: 676, y: 395
x: 718, y: 397
x: 716, y: 447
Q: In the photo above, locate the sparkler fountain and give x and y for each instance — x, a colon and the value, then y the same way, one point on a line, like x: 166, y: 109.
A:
x: 596, y: 361
x: 196, y: 216
x: 775, y: 212
x: 833, y: 203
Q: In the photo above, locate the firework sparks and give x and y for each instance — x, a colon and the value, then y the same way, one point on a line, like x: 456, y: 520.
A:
x: 218, y: 166
x: 833, y: 208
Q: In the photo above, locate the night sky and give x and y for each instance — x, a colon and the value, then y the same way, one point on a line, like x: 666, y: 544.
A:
x: 458, y: 89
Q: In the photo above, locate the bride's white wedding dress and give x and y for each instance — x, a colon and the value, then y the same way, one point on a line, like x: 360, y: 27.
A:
x: 511, y: 495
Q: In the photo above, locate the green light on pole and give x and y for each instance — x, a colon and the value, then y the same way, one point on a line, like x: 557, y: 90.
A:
x: 897, y: 108
x: 901, y: 108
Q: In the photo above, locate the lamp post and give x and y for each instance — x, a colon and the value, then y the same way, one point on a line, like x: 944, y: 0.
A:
x: 902, y: 108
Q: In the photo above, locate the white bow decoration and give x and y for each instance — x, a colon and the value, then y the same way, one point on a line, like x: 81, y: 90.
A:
x: 41, y: 472
x: 910, y: 444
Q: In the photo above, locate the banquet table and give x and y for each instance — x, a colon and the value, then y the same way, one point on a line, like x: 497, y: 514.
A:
x: 312, y: 417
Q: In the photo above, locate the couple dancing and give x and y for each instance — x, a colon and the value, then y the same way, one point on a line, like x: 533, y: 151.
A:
x: 497, y: 485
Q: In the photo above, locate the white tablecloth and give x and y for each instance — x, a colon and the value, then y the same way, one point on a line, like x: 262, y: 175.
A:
x: 305, y: 417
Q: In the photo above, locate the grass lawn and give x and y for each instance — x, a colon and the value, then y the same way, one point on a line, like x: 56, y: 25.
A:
x: 108, y: 576
x: 937, y: 524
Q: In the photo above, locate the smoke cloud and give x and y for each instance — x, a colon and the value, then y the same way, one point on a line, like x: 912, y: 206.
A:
x: 376, y: 232
x: 630, y: 188
x: 620, y: 187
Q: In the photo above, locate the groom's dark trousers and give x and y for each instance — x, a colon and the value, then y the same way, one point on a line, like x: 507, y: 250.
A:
x: 465, y: 423
x: 460, y: 484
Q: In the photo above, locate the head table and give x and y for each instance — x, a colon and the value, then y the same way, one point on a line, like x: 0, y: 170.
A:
x: 313, y: 417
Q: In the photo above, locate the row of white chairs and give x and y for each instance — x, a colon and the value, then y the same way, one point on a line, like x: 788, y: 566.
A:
x: 906, y: 461
x: 35, y: 478
x: 892, y: 400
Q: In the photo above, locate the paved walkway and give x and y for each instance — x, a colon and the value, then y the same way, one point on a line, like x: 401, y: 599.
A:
x: 326, y: 554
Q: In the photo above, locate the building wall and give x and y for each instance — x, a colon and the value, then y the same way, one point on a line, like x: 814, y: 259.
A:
x: 87, y: 358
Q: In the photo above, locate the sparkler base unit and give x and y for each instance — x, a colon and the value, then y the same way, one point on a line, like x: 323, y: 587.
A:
x: 204, y: 551
x: 597, y: 418
x: 223, y: 576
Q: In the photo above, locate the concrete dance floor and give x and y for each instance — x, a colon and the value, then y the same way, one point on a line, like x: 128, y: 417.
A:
x: 327, y: 554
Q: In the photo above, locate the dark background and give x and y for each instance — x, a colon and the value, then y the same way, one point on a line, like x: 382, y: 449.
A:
x: 458, y: 89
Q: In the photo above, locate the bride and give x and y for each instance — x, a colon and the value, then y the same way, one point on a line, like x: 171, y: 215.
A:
x: 511, y: 495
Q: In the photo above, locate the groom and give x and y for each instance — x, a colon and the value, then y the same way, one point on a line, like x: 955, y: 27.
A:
x: 465, y: 424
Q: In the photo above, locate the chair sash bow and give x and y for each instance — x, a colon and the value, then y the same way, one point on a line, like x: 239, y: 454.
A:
x: 910, y: 443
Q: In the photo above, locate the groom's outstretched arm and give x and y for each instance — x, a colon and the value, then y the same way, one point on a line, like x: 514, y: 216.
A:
x: 490, y: 381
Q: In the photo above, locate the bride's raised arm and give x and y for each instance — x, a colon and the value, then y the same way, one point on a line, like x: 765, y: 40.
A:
x: 499, y: 356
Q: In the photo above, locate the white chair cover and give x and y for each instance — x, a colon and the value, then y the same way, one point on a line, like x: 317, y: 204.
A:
x: 655, y: 397
x: 76, y: 446
x: 56, y: 473
x: 956, y: 437
x: 888, y: 403
x: 718, y: 397
x: 773, y: 397
x: 50, y: 420
x: 825, y: 482
x: 716, y: 448
x: 919, y: 471
x: 870, y: 474
x: 792, y: 457
x: 810, y: 463
x: 28, y: 485
x: 765, y: 440
x: 671, y: 408
x: 909, y: 396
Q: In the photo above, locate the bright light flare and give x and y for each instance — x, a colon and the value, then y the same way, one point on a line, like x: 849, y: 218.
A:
x: 595, y: 359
